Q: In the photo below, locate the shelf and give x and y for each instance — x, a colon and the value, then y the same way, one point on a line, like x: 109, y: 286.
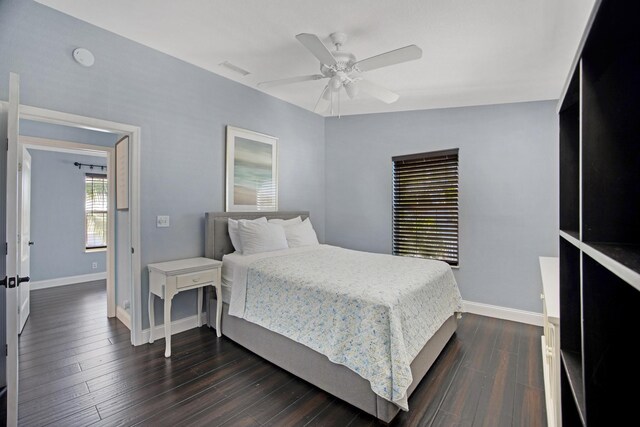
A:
x: 572, y: 236
x: 599, y: 221
x: 622, y: 260
x: 573, y: 366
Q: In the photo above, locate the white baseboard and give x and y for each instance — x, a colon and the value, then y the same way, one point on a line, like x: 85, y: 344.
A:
x: 505, y: 313
x: 123, y: 316
x: 70, y: 280
x: 177, y: 326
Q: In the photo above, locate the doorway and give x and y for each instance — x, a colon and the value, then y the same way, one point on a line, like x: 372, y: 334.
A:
x: 11, y: 113
x: 73, y: 227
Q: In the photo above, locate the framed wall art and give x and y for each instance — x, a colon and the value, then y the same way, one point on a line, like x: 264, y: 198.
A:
x: 252, y: 171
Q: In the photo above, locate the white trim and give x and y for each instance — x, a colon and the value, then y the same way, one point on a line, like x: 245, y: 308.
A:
x: 513, y: 314
x: 60, y: 146
x: 177, y: 326
x: 123, y: 316
x: 66, y: 119
x: 69, y: 280
x: 134, y: 218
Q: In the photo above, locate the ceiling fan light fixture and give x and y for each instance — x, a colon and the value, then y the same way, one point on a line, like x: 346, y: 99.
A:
x: 352, y: 89
x: 335, y: 83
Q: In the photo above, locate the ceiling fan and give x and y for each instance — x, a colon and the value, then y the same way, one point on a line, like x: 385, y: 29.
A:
x: 344, y: 71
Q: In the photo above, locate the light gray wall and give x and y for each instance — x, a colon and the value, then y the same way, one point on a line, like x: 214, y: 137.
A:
x: 182, y: 111
x: 58, y: 215
x: 508, y: 189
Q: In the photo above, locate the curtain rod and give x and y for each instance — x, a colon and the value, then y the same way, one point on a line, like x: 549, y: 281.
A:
x: 90, y: 166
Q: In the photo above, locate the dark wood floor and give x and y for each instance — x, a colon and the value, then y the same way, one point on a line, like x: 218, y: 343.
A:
x: 78, y: 368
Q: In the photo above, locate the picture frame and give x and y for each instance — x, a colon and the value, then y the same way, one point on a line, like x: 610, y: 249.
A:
x: 122, y: 173
x: 251, y: 171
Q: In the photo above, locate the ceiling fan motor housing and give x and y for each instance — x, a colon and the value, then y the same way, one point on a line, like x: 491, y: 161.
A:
x: 345, y: 61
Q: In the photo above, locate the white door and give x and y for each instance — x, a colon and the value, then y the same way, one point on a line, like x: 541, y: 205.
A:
x: 12, y: 258
x: 24, y: 216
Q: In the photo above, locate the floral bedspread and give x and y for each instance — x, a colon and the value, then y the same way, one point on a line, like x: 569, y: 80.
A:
x: 372, y: 313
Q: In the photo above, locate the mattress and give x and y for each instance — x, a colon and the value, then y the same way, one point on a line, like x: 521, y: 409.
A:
x: 372, y: 313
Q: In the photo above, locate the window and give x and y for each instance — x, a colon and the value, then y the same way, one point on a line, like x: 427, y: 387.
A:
x: 425, y: 205
x: 95, y: 211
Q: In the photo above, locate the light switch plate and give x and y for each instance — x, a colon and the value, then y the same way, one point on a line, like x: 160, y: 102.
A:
x: 162, y: 221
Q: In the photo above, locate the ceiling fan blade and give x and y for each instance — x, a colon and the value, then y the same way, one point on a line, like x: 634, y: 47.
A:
x: 317, y: 48
x: 404, y: 54
x: 290, y: 80
x: 324, y: 101
x: 384, y: 95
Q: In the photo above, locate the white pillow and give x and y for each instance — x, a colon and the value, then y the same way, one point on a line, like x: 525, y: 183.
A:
x: 286, y: 222
x: 256, y: 237
x: 301, y: 234
x: 234, y: 233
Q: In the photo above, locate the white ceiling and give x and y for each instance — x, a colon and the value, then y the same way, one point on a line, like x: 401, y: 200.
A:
x: 475, y: 52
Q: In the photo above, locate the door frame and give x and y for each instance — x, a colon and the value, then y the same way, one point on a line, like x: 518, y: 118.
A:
x: 72, y: 120
x: 22, y: 155
x: 46, y: 144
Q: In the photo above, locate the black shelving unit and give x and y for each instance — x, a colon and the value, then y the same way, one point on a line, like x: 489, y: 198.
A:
x: 599, y: 248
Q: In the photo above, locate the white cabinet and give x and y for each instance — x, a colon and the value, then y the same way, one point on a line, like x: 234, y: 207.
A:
x: 549, y: 268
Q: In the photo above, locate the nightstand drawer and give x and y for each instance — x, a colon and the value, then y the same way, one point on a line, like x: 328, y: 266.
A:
x: 185, y: 280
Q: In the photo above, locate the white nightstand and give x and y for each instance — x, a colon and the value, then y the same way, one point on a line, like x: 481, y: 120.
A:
x: 167, y: 279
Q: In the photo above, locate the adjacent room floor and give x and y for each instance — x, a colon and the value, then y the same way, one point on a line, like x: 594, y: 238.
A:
x: 78, y: 368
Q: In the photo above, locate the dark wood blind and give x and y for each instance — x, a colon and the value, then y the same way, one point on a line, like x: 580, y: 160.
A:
x: 96, y: 199
x: 425, y: 205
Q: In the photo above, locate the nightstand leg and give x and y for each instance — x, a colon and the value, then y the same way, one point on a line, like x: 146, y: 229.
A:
x: 199, y: 307
x: 218, y: 309
x: 152, y: 320
x: 167, y: 324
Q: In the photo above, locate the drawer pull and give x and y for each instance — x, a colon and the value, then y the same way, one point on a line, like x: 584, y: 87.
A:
x: 541, y: 296
x: 196, y: 280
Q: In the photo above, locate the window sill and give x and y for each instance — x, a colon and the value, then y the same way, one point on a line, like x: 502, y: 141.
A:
x: 92, y: 250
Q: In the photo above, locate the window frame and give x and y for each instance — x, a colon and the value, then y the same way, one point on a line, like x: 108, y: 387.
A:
x: 453, y: 153
x: 90, y: 249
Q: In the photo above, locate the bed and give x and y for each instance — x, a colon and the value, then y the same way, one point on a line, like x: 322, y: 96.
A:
x: 269, y: 336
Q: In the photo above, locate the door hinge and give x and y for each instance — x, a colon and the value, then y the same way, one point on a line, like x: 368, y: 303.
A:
x: 6, y: 248
x: 131, y: 250
x: 20, y: 167
x: 11, y: 282
x: 6, y: 349
x: 7, y: 144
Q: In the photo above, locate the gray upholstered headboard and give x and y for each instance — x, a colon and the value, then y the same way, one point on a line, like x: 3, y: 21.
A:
x: 217, y: 241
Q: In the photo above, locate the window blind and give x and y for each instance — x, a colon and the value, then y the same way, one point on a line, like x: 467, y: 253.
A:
x: 425, y: 205
x: 96, y: 199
